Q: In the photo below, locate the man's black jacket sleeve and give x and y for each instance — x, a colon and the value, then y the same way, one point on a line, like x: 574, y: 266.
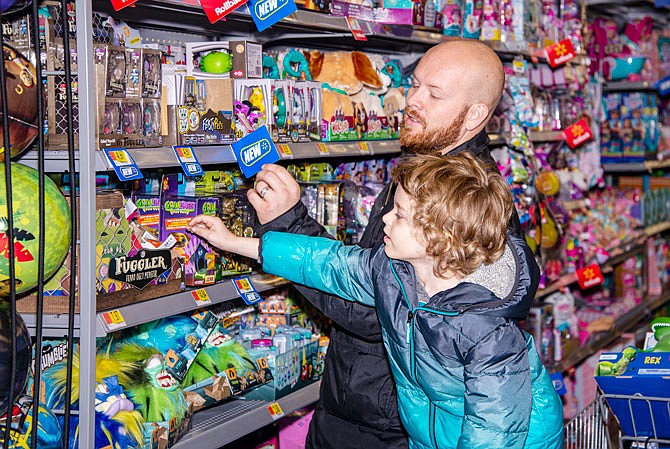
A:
x: 352, y: 317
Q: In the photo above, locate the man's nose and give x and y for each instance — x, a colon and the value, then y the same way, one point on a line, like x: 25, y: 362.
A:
x: 415, y: 98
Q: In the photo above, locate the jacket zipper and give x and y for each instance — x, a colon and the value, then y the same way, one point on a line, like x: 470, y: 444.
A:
x: 431, y: 425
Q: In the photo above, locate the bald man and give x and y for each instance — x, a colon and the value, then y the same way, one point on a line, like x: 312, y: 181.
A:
x: 456, y: 88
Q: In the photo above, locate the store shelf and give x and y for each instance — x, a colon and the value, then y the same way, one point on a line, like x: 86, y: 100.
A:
x: 218, y: 426
x: 621, y: 325
x: 617, y: 255
x: 57, y: 161
x: 636, y: 166
x: 53, y: 325
x: 575, y: 204
x: 619, y: 86
x: 143, y: 312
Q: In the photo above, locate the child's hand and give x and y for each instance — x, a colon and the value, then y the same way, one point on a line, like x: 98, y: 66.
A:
x: 213, y: 230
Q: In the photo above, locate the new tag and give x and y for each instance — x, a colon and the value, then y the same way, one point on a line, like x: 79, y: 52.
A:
x: 560, y: 53
x: 559, y: 384
x: 123, y: 163
x: 664, y: 86
x: 577, y: 133
x: 266, y: 13
x: 188, y: 160
x: 254, y: 150
x: 218, y: 9
x: 589, y: 276
x: 246, y: 290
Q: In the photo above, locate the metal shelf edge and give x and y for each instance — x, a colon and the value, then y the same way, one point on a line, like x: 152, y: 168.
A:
x: 143, y: 312
x: 210, y: 432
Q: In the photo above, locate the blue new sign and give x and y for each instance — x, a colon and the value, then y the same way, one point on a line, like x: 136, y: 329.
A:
x: 266, y: 13
x: 254, y: 150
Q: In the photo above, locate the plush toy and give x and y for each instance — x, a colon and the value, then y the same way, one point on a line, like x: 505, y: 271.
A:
x: 618, y: 368
x: 661, y: 329
x: 49, y: 431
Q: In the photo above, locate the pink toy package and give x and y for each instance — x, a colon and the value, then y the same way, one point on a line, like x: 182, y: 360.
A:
x: 293, y: 429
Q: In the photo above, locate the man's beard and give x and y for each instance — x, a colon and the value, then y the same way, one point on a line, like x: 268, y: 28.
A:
x: 432, y: 141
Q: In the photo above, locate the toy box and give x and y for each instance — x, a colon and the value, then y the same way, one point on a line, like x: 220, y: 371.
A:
x: 151, y: 80
x: 336, y: 205
x: 240, y: 218
x: 647, y: 375
x: 244, y: 59
x: 632, y: 127
x: 284, y: 98
x: 252, y: 105
x: 148, y: 212
x: 337, y: 116
x: 610, y: 130
x: 204, y: 114
x: 307, y: 122
x: 199, y: 258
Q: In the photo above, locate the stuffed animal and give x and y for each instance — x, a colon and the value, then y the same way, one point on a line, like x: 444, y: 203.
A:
x: 661, y: 329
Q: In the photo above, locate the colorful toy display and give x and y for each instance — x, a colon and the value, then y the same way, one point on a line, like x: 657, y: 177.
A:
x: 23, y: 356
x: 26, y: 228
x: 21, y: 81
x: 216, y: 62
x: 49, y: 431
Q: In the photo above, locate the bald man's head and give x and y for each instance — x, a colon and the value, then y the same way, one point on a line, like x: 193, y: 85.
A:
x: 482, y: 75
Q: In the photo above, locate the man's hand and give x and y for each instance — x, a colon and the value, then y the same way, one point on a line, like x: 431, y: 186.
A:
x: 274, y: 193
x: 215, y: 232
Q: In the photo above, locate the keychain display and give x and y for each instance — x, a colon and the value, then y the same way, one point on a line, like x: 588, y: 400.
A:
x: 131, y: 117
x: 152, y: 117
x: 151, y: 73
x: 112, y: 124
x: 116, y: 72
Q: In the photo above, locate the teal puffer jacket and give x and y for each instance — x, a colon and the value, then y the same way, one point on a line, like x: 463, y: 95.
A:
x: 467, y: 376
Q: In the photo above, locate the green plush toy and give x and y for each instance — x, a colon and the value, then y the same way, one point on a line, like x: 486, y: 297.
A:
x: 618, y: 368
x: 661, y: 329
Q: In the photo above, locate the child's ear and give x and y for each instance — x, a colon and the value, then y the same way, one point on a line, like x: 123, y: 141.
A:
x: 476, y: 116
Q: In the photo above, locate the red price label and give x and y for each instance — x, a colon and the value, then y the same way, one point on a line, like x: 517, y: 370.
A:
x: 577, y: 133
x: 218, y: 9
x: 560, y: 53
x: 356, y: 29
x: 120, y: 4
x: 589, y: 276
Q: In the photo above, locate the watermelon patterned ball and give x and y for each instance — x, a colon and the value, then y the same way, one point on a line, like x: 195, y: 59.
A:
x: 25, y: 203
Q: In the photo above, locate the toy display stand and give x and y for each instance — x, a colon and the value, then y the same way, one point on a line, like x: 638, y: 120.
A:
x: 616, y: 421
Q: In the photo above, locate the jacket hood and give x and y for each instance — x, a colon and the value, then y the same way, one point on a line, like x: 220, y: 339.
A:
x: 505, y: 288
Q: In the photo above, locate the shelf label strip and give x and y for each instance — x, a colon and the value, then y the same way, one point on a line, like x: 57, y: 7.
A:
x: 114, y: 320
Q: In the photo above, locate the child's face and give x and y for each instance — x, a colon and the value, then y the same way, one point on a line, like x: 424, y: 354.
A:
x: 403, y: 239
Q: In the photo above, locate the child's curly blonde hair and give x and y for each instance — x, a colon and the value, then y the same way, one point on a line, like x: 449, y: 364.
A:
x: 462, y: 205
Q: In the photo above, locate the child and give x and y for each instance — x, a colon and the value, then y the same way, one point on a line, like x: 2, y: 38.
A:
x: 449, y: 286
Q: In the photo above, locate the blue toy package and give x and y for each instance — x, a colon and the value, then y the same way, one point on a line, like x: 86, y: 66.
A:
x: 610, y: 130
x: 645, y: 383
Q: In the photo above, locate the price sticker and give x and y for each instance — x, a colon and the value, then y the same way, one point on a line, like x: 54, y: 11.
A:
x: 188, y: 161
x: 114, y: 319
x: 201, y: 297
x: 365, y: 149
x: 590, y: 276
x: 356, y: 29
x: 246, y: 290
x: 275, y: 411
x: 123, y: 163
x: 519, y: 66
x: 322, y: 149
x: 285, y: 150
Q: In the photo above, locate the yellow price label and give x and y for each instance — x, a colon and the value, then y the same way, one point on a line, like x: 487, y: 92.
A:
x: 231, y: 373
x: 120, y: 156
x: 322, y: 148
x: 285, y: 149
x: 114, y: 319
x: 186, y: 153
x: 364, y: 147
x: 200, y: 296
x: 275, y: 410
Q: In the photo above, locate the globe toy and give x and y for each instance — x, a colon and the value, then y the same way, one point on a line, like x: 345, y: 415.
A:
x: 25, y: 194
x: 21, y: 89
x: 216, y: 62
x: 10, y: 6
x: 23, y: 356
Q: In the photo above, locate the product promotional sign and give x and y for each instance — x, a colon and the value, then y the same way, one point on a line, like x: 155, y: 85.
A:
x: 246, y: 290
x: 218, y: 9
x: 188, y: 161
x: 142, y: 268
x: 589, y: 276
x: 120, y: 4
x: 577, y: 133
x: 123, y: 163
x: 254, y: 150
x: 268, y: 12
x: 664, y: 85
x: 560, y: 53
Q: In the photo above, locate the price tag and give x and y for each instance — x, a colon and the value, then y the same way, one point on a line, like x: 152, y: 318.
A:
x: 519, y: 66
x: 365, y: 148
x: 589, y: 276
x: 356, y: 29
x: 254, y: 150
x: 664, y: 86
x: 285, y: 150
x: 123, y: 163
x: 560, y: 53
x: 120, y: 4
x: 246, y: 290
x: 266, y: 13
x: 114, y: 319
x: 201, y: 297
x: 558, y: 382
x: 188, y: 161
x: 218, y: 9
x: 577, y: 133
x: 322, y: 149
x: 275, y: 411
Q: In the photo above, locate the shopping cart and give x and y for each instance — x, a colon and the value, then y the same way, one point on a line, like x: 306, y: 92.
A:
x: 615, y: 421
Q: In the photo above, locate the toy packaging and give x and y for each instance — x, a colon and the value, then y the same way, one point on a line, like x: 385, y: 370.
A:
x: 252, y: 105
x: 240, y: 219
x: 284, y: 97
x: 151, y: 73
x: 610, y: 130
x: 235, y: 59
x: 205, y: 111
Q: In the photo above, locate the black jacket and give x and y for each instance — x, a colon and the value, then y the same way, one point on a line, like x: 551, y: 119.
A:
x: 358, y: 402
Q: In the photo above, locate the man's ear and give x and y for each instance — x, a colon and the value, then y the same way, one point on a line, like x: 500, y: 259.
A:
x: 476, y: 117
